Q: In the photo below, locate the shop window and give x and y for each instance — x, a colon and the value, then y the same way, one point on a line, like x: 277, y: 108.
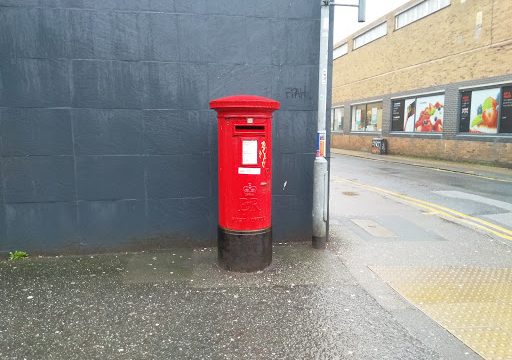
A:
x: 367, y: 117
x: 486, y: 111
x: 419, y: 11
x: 423, y: 114
x: 337, y: 117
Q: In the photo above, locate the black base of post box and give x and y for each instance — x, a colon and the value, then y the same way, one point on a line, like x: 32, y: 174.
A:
x: 245, y: 251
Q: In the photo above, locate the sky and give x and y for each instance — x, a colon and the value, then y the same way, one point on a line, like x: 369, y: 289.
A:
x: 345, y: 18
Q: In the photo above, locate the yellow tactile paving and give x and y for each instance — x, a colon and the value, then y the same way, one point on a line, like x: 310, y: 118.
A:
x: 473, y: 303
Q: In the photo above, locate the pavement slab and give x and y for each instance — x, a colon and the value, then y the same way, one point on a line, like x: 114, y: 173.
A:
x: 179, y: 304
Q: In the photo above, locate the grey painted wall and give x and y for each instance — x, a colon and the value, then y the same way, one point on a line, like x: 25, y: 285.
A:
x: 106, y: 139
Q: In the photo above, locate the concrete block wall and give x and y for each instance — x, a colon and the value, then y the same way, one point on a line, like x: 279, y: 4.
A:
x: 107, y: 141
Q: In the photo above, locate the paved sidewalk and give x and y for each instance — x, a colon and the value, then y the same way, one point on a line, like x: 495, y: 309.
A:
x: 440, y: 264
x: 180, y: 305
x: 494, y: 172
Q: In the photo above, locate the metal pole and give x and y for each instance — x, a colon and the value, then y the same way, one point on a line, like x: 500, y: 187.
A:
x: 320, y: 165
x: 320, y: 174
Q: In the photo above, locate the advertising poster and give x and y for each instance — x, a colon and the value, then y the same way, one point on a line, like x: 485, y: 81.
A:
x: 465, y: 108
x: 506, y: 110
x: 397, y: 115
x: 429, y: 114
x: 484, y: 111
x: 409, y: 114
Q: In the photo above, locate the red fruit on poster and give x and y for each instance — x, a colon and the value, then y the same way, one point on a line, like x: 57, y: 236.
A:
x: 438, y: 126
x: 490, y: 118
x: 423, y: 124
x: 427, y: 126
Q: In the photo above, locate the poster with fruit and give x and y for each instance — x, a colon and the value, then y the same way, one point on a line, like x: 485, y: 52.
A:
x: 429, y: 114
x: 484, y: 111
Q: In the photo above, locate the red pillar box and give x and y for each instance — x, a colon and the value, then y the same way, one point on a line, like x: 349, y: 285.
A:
x: 245, y: 181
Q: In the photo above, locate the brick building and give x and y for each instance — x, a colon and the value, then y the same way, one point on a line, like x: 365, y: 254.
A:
x: 433, y: 77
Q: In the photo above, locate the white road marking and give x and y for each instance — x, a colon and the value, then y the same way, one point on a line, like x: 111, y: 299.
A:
x: 477, y: 198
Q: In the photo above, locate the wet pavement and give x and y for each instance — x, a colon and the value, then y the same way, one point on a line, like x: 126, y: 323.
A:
x: 455, y: 167
x: 181, y: 305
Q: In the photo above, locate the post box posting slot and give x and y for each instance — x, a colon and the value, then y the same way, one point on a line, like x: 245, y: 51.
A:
x: 249, y: 129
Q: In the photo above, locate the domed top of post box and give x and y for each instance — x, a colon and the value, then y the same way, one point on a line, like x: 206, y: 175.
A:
x: 245, y: 102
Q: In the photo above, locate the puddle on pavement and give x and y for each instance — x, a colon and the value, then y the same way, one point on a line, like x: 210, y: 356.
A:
x: 297, y: 264
x: 158, y: 266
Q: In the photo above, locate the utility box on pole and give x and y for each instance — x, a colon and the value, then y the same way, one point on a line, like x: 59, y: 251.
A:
x: 245, y: 181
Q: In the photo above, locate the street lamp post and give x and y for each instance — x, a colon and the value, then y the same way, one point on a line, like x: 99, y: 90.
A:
x: 320, y: 165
